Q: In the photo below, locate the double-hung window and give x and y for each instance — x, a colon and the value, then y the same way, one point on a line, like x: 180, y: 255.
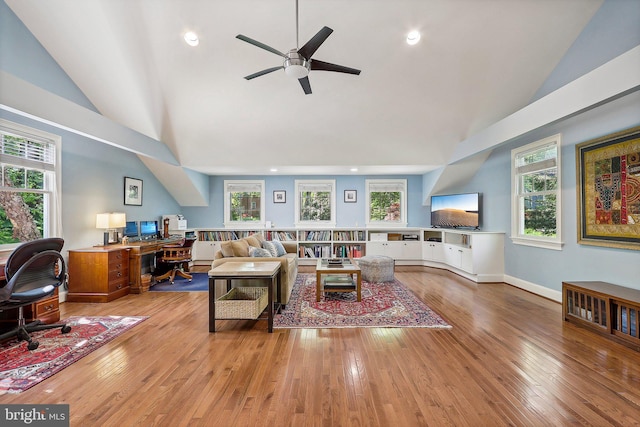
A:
x: 386, y: 202
x: 536, y: 194
x: 243, y: 203
x: 30, y: 183
x: 315, y: 203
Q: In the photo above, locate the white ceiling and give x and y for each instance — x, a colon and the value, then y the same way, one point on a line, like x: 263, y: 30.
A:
x: 477, y: 62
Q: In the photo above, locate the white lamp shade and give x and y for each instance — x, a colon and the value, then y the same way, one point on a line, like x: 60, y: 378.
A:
x: 111, y: 220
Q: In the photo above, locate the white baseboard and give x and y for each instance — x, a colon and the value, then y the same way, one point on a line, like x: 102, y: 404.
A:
x: 533, y: 288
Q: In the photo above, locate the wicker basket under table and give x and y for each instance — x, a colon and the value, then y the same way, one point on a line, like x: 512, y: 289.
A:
x: 242, y: 303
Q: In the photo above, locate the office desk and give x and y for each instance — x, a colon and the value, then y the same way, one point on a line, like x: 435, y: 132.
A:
x: 139, y: 249
x: 104, y: 273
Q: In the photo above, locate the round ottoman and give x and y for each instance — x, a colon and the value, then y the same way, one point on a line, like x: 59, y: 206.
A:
x: 377, y: 268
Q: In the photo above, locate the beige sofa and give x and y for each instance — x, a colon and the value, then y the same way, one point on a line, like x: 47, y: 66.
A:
x: 237, y: 250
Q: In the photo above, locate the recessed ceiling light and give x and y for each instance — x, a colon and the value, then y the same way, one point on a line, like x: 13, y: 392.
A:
x: 413, y: 37
x: 191, y: 38
x: 354, y: 169
x: 273, y: 170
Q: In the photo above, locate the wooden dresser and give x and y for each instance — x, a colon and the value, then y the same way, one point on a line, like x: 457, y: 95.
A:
x: 99, y: 274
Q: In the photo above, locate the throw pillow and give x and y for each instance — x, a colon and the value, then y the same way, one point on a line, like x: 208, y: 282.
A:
x: 240, y: 248
x: 252, y: 241
x: 280, y: 250
x: 259, y: 252
x: 270, y: 247
x: 227, y: 250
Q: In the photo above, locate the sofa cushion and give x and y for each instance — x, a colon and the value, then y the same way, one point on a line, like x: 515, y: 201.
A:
x: 259, y: 252
x: 253, y: 241
x: 280, y: 251
x: 226, y: 249
x: 240, y: 247
x: 270, y: 247
x: 260, y: 237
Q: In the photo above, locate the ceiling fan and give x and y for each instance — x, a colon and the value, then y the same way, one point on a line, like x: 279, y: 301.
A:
x: 298, y: 62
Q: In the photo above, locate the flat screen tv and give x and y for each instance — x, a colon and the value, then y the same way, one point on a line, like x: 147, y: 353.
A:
x: 131, y: 229
x: 148, y: 229
x: 456, y: 210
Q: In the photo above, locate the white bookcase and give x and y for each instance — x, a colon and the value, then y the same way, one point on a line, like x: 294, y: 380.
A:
x: 476, y: 255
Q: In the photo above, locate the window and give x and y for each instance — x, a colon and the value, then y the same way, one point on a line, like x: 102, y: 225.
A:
x: 29, y: 198
x: 315, y: 202
x: 243, y: 203
x: 386, y: 202
x: 536, y: 194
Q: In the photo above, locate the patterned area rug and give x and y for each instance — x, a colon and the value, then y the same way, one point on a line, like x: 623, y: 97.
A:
x: 383, y: 305
x: 21, y: 369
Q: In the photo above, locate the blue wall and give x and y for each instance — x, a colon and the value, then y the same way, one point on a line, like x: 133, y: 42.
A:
x: 283, y: 214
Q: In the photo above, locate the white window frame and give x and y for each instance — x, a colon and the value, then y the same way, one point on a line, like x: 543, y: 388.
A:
x: 52, y: 225
x: 317, y: 185
x: 517, y: 210
x: 376, y: 185
x: 248, y: 186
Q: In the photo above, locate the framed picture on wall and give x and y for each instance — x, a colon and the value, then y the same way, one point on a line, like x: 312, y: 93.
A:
x: 132, y: 191
x: 350, y: 196
x: 608, y: 190
x: 279, y: 196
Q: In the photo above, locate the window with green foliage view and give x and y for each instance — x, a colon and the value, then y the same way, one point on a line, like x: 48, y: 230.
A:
x: 27, y: 175
x: 386, y: 202
x: 385, y: 206
x: 315, y: 206
x: 245, y: 206
x: 537, y: 191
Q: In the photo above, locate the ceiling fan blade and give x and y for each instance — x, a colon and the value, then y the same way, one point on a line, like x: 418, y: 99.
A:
x: 306, y: 86
x: 260, y: 45
x: 312, y: 45
x: 263, y: 72
x: 326, y: 66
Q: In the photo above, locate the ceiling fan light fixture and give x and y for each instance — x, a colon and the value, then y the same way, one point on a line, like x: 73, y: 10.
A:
x: 296, y: 66
x: 413, y: 38
x: 191, y: 38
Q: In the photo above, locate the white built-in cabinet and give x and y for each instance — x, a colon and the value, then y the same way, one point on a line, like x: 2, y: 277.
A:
x: 477, y: 255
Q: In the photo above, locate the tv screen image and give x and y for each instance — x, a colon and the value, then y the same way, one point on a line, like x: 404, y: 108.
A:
x: 131, y: 229
x: 456, y: 210
x: 148, y: 228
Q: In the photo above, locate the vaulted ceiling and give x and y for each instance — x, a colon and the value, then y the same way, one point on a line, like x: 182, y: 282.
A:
x: 477, y: 62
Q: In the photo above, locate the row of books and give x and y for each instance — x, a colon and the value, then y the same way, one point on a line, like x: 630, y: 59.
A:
x: 317, y: 236
x: 348, y: 236
x: 284, y: 236
x: 348, y: 251
x: 316, y: 251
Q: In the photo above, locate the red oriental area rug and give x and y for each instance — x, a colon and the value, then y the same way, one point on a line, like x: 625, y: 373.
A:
x: 383, y: 305
x: 21, y: 369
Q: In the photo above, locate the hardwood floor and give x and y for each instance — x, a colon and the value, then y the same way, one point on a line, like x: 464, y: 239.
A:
x: 509, y: 359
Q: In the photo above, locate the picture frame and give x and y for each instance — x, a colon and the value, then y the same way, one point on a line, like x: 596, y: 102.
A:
x: 279, y: 196
x: 132, y: 191
x: 608, y: 190
x: 350, y: 196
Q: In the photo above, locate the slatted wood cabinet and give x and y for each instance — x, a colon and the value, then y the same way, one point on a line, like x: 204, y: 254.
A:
x: 610, y: 310
x: 99, y: 274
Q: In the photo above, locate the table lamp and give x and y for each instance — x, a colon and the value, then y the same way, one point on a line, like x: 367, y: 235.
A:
x: 109, y: 222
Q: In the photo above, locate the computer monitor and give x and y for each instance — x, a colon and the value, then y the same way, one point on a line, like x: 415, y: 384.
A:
x: 148, y: 229
x: 131, y: 229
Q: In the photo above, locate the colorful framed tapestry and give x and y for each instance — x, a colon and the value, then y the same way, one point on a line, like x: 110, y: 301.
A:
x: 608, y: 190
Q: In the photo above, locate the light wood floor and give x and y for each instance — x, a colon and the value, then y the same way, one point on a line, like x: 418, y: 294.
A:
x: 509, y: 360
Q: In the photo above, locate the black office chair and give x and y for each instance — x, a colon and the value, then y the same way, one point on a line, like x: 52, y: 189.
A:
x: 31, y: 275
